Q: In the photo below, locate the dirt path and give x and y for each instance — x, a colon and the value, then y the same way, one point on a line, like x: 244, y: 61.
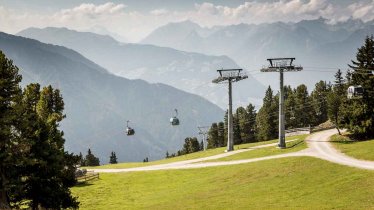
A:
x: 319, y: 147
x: 188, y: 163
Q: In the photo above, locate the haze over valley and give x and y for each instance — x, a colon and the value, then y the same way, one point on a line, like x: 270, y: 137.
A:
x: 111, y: 71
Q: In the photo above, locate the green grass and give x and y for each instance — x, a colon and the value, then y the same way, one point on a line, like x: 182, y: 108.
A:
x: 357, y: 149
x: 267, y: 151
x: 195, y: 155
x: 286, y: 183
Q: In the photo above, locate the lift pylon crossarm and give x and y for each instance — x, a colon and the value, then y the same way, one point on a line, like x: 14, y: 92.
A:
x: 278, y: 69
x: 233, y: 75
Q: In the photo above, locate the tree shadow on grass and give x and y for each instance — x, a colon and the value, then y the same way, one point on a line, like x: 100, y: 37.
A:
x: 351, y: 139
x: 295, y: 144
x: 344, y: 141
x: 84, y: 184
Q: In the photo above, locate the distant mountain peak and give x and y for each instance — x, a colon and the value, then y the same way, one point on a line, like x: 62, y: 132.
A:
x: 187, y: 22
x: 63, y: 31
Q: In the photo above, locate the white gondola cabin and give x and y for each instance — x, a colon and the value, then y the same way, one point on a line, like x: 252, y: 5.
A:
x: 129, y: 131
x: 174, y: 120
x: 355, y: 92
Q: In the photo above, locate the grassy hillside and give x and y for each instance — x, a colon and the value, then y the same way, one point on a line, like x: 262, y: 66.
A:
x: 287, y: 183
x: 195, y: 155
x: 357, y: 149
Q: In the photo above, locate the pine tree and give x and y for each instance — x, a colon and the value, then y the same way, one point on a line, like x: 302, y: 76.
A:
x: 251, y: 120
x: 236, y: 129
x: 113, y: 158
x: 358, y: 114
x: 91, y: 160
x: 213, y: 138
x: 266, y: 117
x: 221, y: 135
x: 10, y: 156
x: 303, y: 109
x: 340, y: 87
x: 50, y: 165
x: 241, y: 126
x: 167, y: 154
x: 319, y: 102
x: 335, y: 99
x: 290, y: 104
x: 226, y: 126
x: 191, y: 144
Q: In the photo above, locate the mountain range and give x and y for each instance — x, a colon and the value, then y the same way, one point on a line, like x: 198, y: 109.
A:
x: 98, y: 103
x: 320, y: 47
x: 191, y: 72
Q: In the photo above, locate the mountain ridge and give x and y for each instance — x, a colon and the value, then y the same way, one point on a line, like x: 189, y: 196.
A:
x: 189, y: 71
x: 250, y: 45
x: 98, y: 103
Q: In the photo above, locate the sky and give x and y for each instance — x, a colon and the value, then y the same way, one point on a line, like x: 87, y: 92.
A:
x: 133, y: 20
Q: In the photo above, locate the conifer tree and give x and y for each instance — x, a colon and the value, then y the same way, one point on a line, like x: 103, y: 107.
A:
x: 36, y: 157
x: 290, y: 104
x: 265, y: 119
x: 10, y: 93
x: 91, y: 160
x: 241, y: 126
x: 113, y: 158
x: 236, y: 129
x: 319, y: 103
x: 191, y: 144
x: 335, y: 98
x: 221, y: 135
x: 303, y: 109
x: 251, y: 120
x: 50, y: 165
x: 213, y: 138
x: 358, y: 114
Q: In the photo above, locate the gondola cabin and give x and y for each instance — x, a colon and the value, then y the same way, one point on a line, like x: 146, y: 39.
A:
x: 355, y: 92
x: 130, y: 131
x: 174, y: 121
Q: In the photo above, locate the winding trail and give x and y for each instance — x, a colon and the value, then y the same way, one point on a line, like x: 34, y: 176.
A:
x: 318, y: 144
x: 320, y: 147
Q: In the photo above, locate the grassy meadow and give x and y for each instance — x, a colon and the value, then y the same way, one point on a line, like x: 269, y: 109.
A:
x: 292, y: 146
x: 287, y: 183
x: 190, y: 156
x: 357, y: 149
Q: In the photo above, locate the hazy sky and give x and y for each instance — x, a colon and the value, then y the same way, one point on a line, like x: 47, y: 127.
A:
x: 134, y: 19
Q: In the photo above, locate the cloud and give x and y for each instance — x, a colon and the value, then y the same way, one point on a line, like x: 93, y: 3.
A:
x: 258, y: 12
x: 362, y: 11
x: 134, y: 25
x: 159, y: 12
x: 91, y: 9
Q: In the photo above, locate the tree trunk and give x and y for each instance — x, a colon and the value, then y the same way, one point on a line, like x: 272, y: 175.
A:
x: 4, y: 203
x: 336, y: 125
